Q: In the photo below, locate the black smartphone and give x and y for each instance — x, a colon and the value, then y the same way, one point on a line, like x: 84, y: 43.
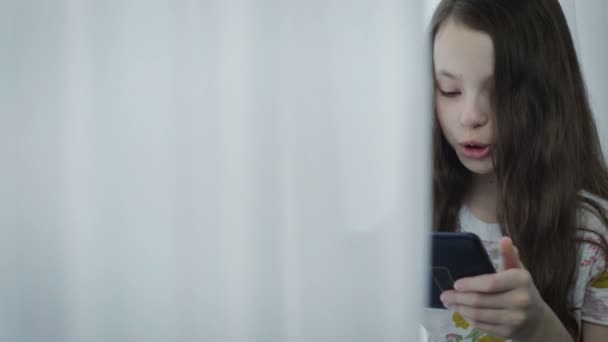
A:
x: 455, y: 256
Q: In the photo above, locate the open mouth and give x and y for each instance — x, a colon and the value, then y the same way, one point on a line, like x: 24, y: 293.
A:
x: 475, y: 147
x: 475, y: 150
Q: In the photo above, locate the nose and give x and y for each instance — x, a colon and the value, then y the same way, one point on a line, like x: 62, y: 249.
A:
x: 474, y: 113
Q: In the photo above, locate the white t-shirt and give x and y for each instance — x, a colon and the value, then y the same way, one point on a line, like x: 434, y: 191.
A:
x: 590, y: 292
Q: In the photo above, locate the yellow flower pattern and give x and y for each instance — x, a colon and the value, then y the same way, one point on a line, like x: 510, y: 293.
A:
x: 489, y: 338
x: 459, y: 321
x: 600, y: 282
x: 475, y: 335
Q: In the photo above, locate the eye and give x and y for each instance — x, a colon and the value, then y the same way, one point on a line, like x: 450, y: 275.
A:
x: 449, y: 93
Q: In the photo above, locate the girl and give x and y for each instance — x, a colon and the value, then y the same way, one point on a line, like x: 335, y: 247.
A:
x: 517, y: 154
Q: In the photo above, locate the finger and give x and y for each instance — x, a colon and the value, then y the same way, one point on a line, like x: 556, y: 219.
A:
x: 492, y: 283
x: 509, y: 254
x: 476, y: 299
x: 516, y: 250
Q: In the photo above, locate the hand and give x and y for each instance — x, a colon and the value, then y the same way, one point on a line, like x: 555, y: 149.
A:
x: 505, y: 304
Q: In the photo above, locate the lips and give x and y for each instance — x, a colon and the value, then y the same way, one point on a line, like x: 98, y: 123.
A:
x: 475, y: 150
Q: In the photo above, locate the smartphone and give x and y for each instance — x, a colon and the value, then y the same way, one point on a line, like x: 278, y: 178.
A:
x: 455, y: 256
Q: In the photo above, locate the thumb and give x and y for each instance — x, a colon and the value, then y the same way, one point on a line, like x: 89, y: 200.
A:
x: 509, y: 254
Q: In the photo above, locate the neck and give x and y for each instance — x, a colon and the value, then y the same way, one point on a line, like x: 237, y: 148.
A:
x: 483, y: 197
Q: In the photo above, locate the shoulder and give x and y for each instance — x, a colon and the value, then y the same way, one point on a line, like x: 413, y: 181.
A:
x: 592, y: 205
x: 593, y: 275
x: 592, y: 216
x: 593, y: 233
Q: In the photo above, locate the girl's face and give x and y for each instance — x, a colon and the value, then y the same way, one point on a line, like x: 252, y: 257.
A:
x: 464, y: 86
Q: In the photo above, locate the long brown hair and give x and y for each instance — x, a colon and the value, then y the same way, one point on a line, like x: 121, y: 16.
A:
x: 547, y: 151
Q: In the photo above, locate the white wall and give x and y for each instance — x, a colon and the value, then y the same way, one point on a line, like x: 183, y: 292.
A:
x: 588, y: 20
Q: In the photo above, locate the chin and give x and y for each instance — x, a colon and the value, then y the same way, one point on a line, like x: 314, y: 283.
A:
x: 484, y: 167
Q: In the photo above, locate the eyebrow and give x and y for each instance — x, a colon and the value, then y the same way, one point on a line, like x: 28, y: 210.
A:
x: 458, y: 77
x: 449, y: 75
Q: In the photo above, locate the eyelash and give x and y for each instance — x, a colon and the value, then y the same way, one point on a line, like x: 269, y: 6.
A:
x: 449, y: 93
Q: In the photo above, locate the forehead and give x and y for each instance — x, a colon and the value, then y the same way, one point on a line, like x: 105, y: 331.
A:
x: 464, y: 52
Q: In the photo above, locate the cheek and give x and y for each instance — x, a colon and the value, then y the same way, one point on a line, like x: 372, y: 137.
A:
x: 444, y: 118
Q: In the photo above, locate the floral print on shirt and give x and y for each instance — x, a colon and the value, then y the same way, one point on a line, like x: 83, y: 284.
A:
x: 475, y: 335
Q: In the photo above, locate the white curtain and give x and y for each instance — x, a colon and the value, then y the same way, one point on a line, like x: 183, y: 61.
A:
x: 234, y: 170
